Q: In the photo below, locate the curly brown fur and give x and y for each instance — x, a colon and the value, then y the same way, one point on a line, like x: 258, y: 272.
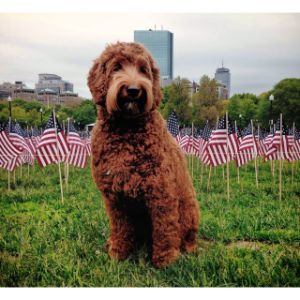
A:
x: 136, y: 163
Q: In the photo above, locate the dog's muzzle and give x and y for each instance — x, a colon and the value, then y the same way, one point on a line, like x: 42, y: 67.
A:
x: 132, y: 100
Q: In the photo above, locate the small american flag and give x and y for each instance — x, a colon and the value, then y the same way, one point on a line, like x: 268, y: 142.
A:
x: 18, y: 137
x: 233, y: 142
x: 280, y: 146
x: 203, y: 153
x: 296, y: 148
x: 9, y: 153
x: 53, y: 146
x: 173, y: 125
x: 78, y: 153
x: 248, y: 140
x: 185, y: 140
x: 247, y: 147
x: 217, y: 145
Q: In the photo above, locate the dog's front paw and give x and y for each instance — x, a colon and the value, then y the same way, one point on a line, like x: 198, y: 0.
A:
x: 164, y: 258
x: 118, y: 251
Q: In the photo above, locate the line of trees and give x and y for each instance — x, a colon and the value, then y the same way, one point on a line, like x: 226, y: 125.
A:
x: 205, y: 105
x: 199, y: 107
x: 29, y: 113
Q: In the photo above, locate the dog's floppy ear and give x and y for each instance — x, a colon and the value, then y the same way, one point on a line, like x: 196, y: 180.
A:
x: 97, y: 82
x: 157, y: 94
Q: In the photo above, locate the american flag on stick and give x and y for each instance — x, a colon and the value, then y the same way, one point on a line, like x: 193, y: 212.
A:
x: 7, y: 149
x: 248, y: 140
x: 18, y: 137
x: 247, y: 149
x: 173, y: 125
x: 185, y: 140
x: 53, y: 146
x: 281, y: 145
x: 205, y: 136
x: 78, y: 152
x: 233, y: 142
x: 9, y: 153
x: 217, y: 145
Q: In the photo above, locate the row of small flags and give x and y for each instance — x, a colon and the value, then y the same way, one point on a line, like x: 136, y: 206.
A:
x: 225, y: 142
x: 51, y: 146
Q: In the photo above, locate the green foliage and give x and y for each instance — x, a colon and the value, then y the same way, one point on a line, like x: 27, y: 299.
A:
x: 251, y: 240
x: 85, y: 113
x: 243, y: 108
x: 177, y: 97
x: 206, y: 105
x: 28, y: 113
x: 287, y: 100
x: 262, y: 112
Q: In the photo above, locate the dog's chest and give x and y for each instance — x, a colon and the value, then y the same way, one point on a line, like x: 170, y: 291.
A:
x: 128, y: 163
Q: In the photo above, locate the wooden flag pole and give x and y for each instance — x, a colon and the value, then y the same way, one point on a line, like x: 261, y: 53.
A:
x: 208, y: 181
x: 280, y: 161
x: 237, y: 169
x: 293, y: 162
x: 201, y: 178
x: 227, y: 158
x: 33, y: 162
x: 8, y: 180
x: 258, y: 136
x: 192, y: 151
x: 66, y: 163
x: 57, y: 155
x: 255, y: 154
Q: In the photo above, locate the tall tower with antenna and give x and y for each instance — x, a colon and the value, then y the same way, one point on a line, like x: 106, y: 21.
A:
x: 223, y: 77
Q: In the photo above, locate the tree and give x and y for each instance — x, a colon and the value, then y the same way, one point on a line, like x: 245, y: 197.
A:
x: 206, y: 105
x: 243, y: 108
x: 287, y: 100
x: 262, y: 113
x: 179, y: 100
x: 85, y: 113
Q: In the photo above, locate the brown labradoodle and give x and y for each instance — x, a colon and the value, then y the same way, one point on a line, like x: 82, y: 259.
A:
x: 136, y: 163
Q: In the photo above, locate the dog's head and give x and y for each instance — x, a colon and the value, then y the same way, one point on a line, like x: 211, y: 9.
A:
x: 125, y: 79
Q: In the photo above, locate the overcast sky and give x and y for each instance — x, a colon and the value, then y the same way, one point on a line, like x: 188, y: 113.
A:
x: 259, y: 49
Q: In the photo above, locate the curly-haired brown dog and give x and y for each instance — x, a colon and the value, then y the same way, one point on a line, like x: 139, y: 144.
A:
x: 136, y: 163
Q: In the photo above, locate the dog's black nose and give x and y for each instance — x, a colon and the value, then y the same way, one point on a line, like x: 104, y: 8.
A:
x: 133, y: 91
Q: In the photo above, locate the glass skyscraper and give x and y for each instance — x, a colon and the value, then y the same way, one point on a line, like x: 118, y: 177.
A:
x: 160, y: 44
x: 222, y: 75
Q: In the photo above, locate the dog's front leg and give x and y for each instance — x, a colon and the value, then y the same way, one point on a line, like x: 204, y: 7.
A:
x: 165, y: 230
x: 121, y: 240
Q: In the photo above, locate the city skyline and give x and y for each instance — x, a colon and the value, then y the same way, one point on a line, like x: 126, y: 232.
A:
x: 259, y: 49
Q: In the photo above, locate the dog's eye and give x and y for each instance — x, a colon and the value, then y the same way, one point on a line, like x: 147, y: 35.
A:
x: 144, y: 70
x: 117, y: 67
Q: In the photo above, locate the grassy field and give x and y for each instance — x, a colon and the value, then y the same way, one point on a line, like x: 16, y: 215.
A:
x: 251, y: 240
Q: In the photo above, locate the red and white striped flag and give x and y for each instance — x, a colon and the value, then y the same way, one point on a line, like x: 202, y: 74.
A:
x: 205, y: 136
x: 217, y: 148
x: 280, y: 146
x: 247, y: 149
x: 53, y: 146
x: 296, y: 148
x: 9, y: 153
x: 87, y: 142
x: 78, y: 153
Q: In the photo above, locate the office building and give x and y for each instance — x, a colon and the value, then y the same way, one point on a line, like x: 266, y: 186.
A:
x: 160, y: 45
x: 54, y: 83
x: 223, y: 76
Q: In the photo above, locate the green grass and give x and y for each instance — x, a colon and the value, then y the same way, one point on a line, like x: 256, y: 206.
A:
x: 251, y: 240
